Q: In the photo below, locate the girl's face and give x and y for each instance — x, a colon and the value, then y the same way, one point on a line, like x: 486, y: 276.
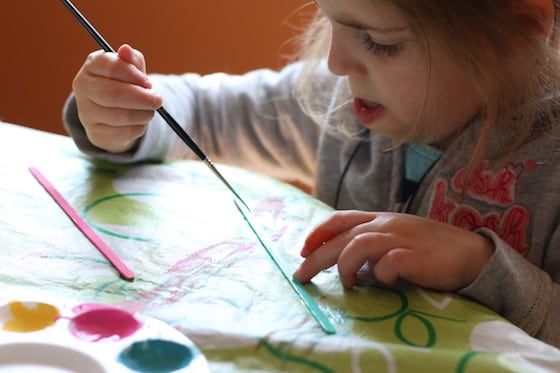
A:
x: 387, y: 71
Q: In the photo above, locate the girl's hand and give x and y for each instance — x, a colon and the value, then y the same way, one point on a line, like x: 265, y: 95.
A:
x: 425, y: 252
x: 114, y: 98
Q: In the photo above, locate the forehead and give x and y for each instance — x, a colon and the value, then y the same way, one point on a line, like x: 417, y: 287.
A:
x: 363, y: 14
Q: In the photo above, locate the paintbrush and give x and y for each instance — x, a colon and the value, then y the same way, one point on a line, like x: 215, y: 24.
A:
x: 161, y: 111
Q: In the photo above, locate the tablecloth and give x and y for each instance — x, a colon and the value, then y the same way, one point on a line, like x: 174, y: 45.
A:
x: 200, y: 268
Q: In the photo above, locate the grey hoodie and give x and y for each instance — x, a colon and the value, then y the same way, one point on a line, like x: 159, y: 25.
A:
x: 254, y: 121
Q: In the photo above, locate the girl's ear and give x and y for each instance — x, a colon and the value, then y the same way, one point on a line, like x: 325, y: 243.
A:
x: 537, y: 15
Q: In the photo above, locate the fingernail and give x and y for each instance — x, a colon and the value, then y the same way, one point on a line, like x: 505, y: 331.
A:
x: 306, y: 251
x: 310, y: 248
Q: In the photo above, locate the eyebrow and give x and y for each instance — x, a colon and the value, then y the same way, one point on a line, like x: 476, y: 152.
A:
x: 362, y: 26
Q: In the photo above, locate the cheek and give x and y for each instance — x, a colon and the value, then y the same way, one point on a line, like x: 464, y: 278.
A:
x: 408, y: 82
x: 454, y: 100
x: 405, y: 99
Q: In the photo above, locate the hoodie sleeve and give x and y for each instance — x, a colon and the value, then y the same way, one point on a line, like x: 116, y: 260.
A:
x: 251, y: 120
x: 523, y: 293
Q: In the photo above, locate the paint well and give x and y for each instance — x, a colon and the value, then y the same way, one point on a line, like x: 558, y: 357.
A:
x: 104, y: 323
x: 24, y: 317
x: 156, y: 355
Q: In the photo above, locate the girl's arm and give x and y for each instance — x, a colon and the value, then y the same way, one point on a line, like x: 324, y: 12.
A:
x: 523, y: 293
x: 250, y: 120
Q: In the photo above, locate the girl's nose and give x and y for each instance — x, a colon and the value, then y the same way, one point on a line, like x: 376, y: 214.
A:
x: 341, y: 59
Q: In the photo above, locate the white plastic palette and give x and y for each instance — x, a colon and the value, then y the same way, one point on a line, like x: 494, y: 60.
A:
x: 43, y: 337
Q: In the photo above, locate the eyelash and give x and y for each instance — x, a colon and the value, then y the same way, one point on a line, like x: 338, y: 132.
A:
x: 383, y: 50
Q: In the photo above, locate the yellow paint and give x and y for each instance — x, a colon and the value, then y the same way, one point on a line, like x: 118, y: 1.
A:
x: 29, y: 317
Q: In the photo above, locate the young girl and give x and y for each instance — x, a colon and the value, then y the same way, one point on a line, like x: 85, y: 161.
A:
x: 438, y: 141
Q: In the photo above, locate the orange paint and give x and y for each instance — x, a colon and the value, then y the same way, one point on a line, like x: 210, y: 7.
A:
x: 29, y: 317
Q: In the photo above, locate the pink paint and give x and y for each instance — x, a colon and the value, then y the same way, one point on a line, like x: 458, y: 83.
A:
x: 272, y: 205
x: 96, y: 322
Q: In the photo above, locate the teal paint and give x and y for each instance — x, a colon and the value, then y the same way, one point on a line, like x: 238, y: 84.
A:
x: 156, y: 356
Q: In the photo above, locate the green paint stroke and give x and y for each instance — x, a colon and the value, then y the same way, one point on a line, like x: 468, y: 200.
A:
x: 126, y: 205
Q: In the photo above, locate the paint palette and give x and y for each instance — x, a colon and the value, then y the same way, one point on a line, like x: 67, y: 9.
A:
x: 43, y: 337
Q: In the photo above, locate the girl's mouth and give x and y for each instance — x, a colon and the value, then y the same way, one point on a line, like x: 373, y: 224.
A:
x: 367, y: 112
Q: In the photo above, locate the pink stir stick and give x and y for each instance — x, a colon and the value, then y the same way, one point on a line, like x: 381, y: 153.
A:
x: 113, y: 258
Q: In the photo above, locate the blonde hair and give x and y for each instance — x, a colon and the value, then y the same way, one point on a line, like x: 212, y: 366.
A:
x: 516, y: 73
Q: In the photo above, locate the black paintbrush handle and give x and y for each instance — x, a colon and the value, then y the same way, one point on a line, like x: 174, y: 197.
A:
x: 107, y: 48
x: 161, y: 111
x: 90, y: 29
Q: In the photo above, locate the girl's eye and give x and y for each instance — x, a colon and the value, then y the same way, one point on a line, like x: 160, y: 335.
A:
x: 383, y: 50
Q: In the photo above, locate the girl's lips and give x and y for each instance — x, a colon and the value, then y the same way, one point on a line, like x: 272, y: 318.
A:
x: 367, y: 112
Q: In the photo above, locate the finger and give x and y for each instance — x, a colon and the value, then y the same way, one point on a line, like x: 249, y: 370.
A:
x: 319, y: 236
x: 417, y: 267
x: 331, y: 236
x: 90, y: 112
x: 395, y: 264
x: 337, y: 223
x: 133, y: 56
x: 116, y: 94
x: 110, y: 65
x: 114, y: 139
x: 319, y: 260
x: 116, y: 135
x: 363, y: 248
